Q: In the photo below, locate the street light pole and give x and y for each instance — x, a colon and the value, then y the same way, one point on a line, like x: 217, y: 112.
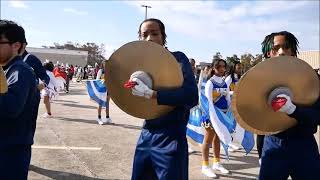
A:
x: 146, y: 12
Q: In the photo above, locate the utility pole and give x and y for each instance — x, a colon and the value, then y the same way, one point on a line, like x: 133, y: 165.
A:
x: 146, y: 13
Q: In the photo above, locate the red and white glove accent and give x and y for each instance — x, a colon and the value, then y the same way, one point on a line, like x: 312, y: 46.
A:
x: 283, y: 103
x: 140, y: 89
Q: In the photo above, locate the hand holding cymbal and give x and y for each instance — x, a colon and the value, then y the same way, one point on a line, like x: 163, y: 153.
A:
x: 265, y: 95
x: 3, y: 82
x: 152, y: 64
x: 284, y: 104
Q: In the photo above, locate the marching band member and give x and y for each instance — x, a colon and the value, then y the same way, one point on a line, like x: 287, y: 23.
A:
x: 162, y: 149
x: 17, y: 104
x: 294, y: 151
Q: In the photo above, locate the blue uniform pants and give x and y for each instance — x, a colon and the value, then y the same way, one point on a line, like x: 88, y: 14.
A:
x: 295, y: 156
x: 14, y: 162
x: 161, y: 154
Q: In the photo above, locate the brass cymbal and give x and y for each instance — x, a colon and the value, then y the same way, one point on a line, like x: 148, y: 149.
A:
x: 151, y: 58
x: 250, y: 99
x: 3, y: 82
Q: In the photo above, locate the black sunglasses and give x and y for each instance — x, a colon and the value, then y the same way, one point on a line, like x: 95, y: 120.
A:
x: 6, y: 42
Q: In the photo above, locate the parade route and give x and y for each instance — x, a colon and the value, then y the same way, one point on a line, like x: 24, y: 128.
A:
x: 71, y: 145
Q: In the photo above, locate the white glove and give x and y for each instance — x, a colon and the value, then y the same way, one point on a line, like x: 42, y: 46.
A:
x: 231, y: 93
x: 223, y: 92
x: 141, y: 89
x: 288, y: 107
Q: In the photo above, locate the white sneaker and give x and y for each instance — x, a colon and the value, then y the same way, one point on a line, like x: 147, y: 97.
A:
x: 107, y: 120
x: 230, y: 149
x: 217, y: 166
x: 208, y: 172
x: 190, y: 150
x: 100, y: 121
x: 46, y: 115
x: 235, y: 147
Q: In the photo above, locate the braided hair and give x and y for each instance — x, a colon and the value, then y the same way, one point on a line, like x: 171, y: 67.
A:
x: 291, y: 42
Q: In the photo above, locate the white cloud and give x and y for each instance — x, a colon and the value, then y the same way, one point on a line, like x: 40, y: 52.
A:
x: 269, y: 8
x: 41, y: 35
x: 75, y: 11
x: 204, y: 19
x: 109, y: 49
x: 241, y: 23
x: 18, y: 4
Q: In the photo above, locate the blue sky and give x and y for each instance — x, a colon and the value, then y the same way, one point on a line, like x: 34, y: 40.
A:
x: 197, y: 28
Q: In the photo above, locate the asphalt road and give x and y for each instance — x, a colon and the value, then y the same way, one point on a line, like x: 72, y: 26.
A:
x: 71, y: 145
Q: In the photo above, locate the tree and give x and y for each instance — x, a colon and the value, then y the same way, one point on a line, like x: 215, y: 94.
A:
x: 70, y: 46
x: 246, y: 60
x: 231, y: 60
x: 95, y: 52
x: 58, y: 46
x: 257, y: 59
x: 217, y: 56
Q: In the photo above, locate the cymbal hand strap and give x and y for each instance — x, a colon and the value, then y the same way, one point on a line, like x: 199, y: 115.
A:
x: 277, y: 103
x: 129, y: 84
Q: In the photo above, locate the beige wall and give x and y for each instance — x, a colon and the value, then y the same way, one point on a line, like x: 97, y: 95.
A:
x: 311, y: 57
x: 62, y: 58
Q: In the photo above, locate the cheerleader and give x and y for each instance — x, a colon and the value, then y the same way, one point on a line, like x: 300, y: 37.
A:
x: 231, y: 80
x: 216, y: 90
x: 50, y: 91
x: 100, y: 120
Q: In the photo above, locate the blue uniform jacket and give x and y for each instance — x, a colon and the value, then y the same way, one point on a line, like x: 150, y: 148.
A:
x: 16, y: 106
x: 183, y: 98
x: 308, y: 117
x: 37, y: 67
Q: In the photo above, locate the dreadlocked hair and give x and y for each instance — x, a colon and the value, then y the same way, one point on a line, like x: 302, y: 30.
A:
x: 291, y: 42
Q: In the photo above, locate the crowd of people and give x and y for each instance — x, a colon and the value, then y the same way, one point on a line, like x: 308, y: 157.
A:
x: 162, y: 148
